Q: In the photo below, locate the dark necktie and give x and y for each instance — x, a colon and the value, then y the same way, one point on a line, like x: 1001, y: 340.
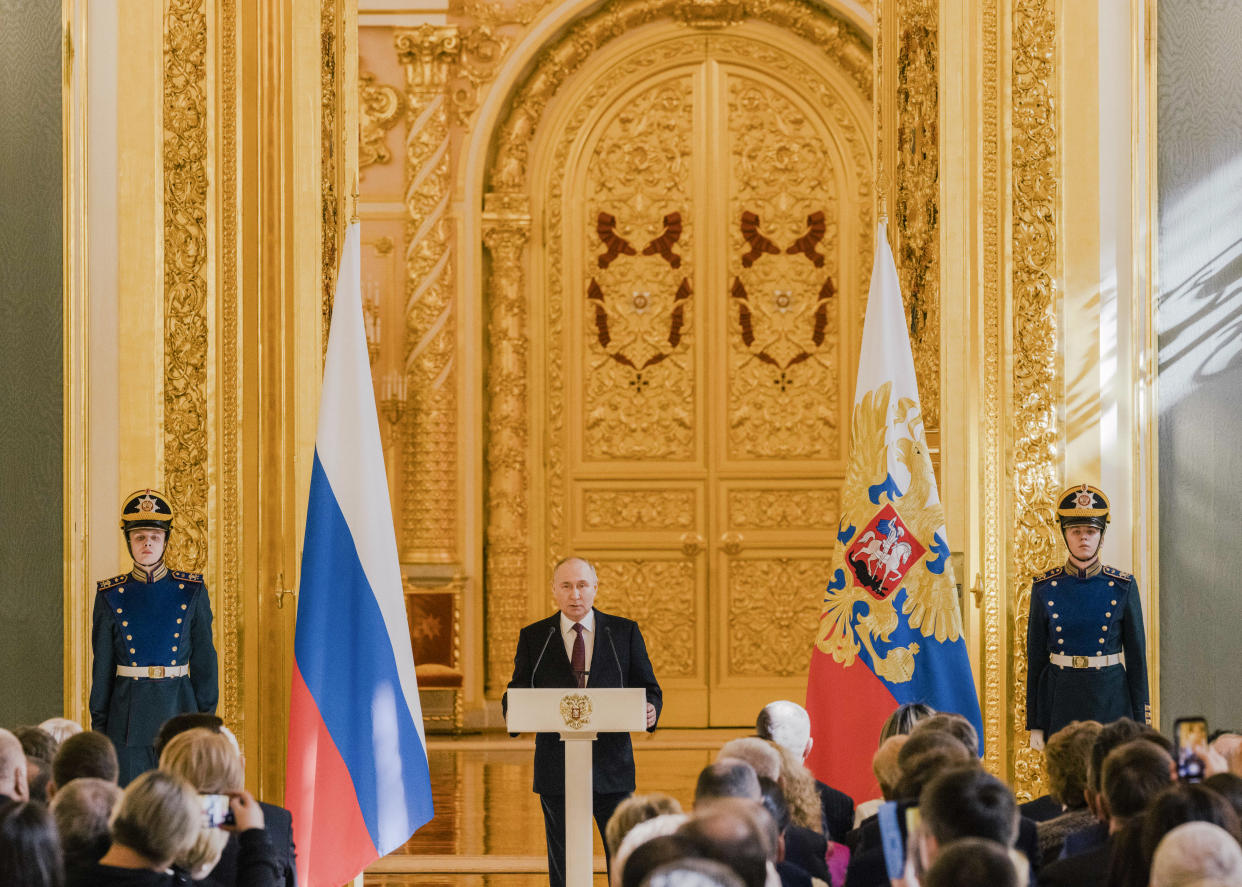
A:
x: 578, y: 660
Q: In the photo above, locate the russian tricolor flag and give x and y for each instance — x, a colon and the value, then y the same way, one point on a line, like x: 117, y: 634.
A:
x: 890, y: 628
x: 357, y: 779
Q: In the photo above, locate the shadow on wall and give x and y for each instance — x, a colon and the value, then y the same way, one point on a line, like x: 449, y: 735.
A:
x: 1201, y: 487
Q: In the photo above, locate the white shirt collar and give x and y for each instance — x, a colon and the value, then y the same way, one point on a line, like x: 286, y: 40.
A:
x: 588, y: 623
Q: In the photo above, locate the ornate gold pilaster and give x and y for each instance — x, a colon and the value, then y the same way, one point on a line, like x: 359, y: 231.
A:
x: 1036, y: 385
x: 506, y: 228
x: 429, y: 429
x: 185, y: 278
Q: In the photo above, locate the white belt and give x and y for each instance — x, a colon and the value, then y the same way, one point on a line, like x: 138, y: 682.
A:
x: 153, y: 671
x: 1084, y: 661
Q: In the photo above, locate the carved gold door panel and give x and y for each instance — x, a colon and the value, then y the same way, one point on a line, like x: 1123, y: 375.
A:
x: 704, y: 246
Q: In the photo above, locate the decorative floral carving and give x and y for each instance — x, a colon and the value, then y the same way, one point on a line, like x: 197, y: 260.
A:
x: 429, y: 428
x: 773, y: 598
x: 492, y: 13
x: 660, y: 596
x: 1036, y: 385
x: 482, y: 51
x: 380, y: 107
x: 638, y: 509
x: 784, y: 509
x: 185, y: 278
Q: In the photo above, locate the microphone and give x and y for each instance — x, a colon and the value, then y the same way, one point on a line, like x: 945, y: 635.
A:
x: 608, y: 631
x: 547, y: 640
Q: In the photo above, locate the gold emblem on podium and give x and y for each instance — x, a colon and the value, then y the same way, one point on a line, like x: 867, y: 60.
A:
x: 576, y: 710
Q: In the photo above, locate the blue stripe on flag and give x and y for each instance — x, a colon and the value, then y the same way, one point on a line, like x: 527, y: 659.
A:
x: 345, y: 655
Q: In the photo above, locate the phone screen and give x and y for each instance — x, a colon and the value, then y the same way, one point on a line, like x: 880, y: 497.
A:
x: 1190, y: 737
x: 216, y: 810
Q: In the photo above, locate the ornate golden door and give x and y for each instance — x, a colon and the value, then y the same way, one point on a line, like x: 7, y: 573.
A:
x: 702, y: 239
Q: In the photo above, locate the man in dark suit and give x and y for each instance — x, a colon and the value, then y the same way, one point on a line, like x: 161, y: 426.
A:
x: 582, y: 647
x: 789, y: 726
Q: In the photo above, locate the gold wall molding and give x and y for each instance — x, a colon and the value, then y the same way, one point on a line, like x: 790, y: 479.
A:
x: 513, y: 12
x: 784, y: 509
x: 1036, y: 385
x: 638, y: 509
x: 660, y: 596
x: 429, y: 428
x: 330, y: 152
x: 756, y: 616
x: 506, y: 229
x: 379, y: 107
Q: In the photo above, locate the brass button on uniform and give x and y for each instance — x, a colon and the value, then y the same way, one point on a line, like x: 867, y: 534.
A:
x: 183, y: 606
x: 182, y: 585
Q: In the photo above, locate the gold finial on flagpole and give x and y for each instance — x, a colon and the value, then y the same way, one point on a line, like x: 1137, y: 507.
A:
x: 353, y: 215
x: 881, y: 192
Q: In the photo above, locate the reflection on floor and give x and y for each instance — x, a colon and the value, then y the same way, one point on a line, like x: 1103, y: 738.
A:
x: 488, y: 829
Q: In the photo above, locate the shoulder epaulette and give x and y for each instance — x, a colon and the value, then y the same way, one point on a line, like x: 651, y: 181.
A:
x: 187, y: 577
x: 1048, y: 574
x: 1119, y: 574
x: 105, y: 584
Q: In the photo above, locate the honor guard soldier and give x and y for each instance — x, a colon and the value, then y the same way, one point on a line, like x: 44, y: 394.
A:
x: 152, y: 640
x: 1085, y: 647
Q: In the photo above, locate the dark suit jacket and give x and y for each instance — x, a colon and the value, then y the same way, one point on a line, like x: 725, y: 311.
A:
x: 1088, y: 869
x: 619, y: 659
x: 838, y: 811
x: 808, y: 851
x: 1041, y: 809
x: 278, y: 823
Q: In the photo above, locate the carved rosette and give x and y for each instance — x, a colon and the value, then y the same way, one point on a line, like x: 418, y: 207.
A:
x: 1036, y: 384
x: 185, y: 278
x: 429, y: 428
x: 505, y: 232
x: 917, y: 197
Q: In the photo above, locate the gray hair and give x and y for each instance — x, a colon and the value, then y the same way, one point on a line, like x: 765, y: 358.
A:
x: 694, y: 872
x: 82, y: 810
x: 1194, y: 852
x: 761, y: 756
x: 785, y: 723
x: 158, y: 817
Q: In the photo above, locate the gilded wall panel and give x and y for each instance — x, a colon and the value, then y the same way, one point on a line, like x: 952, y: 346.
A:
x: 783, y: 509
x: 639, y: 364
x: 1036, y: 392
x: 380, y: 108
x: 766, y: 601
x: 330, y: 160
x: 617, y: 509
x: 784, y: 272
x: 661, y: 597
x: 185, y: 278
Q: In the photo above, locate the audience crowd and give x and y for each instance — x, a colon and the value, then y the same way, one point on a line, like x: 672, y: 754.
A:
x: 1116, y: 814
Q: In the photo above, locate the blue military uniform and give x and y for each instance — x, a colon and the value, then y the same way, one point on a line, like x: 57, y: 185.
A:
x: 148, y: 631
x: 1088, y: 615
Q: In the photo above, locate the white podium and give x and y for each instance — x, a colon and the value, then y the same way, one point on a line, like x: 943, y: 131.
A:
x: 577, y: 715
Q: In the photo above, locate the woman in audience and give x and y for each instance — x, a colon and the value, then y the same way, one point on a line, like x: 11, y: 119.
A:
x: 29, y: 851
x: 1067, y: 756
x: 1135, y: 846
x: 801, y: 795
x: 632, y: 811
x: 904, y: 720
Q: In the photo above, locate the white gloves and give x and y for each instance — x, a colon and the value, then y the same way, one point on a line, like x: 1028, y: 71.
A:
x: 1037, y: 740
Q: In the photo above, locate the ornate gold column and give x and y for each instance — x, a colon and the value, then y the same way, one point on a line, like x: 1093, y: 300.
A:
x: 430, y: 506
x: 506, y: 228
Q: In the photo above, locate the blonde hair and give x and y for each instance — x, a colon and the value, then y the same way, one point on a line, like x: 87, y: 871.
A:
x: 632, y: 811
x: 801, y: 794
x: 206, y: 759
x: 158, y: 817
x: 60, y: 729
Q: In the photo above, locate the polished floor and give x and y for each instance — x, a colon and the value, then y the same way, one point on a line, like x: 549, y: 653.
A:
x: 488, y: 829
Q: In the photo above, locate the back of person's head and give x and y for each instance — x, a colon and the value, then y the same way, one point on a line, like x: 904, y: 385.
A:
x: 1196, y: 852
x: 773, y: 800
x: 727, y: 778
x: 37, y: 742
x: 1067, y: 757
x: 885, y: 766
x: 1229, y: 787
x: 1115, y: 734
x: 736, y: 832
x: 757, y: 752
x: 651, y: 855
x: 918, y: 770
x: 787, y: 724
x: 1181, y: 803
x: 922, y: 741
x: 158, y: 817
x: 38, y: 778
x: 953, y: 724
x: 632, y: 811
x: 206, y: 760
x: 969, y: 802
x: 86, y: 754
x: 61, y: 729
x: 82, y: 810
x: 29, y: 852
x: 801, y: 791
x: 904, y: 719
x: 641, y: 833
x: 12, y: 768
x: 693, y: 872
x: 1133, y: 774
x: 182, y: 722
x: 972, y: 862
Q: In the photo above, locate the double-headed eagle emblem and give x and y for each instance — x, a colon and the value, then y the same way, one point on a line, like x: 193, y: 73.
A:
x: 890, y: 542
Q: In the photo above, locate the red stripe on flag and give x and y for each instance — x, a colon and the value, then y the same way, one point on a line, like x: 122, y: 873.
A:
x: 333, y: 844
x: 848, y: 707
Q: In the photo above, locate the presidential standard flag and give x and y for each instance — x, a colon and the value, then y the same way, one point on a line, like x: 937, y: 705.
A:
x: 890, y: 630
x: 357, y: 779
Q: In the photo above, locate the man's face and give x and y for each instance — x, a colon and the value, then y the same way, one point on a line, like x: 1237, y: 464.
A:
x: 146, y: 546
x: 1083, y: 541
x: 574, y: 589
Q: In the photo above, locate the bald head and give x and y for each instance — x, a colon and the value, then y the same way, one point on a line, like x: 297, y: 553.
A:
x: 12, y: 767
x: 727, y: 778
x: 788, y: 725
